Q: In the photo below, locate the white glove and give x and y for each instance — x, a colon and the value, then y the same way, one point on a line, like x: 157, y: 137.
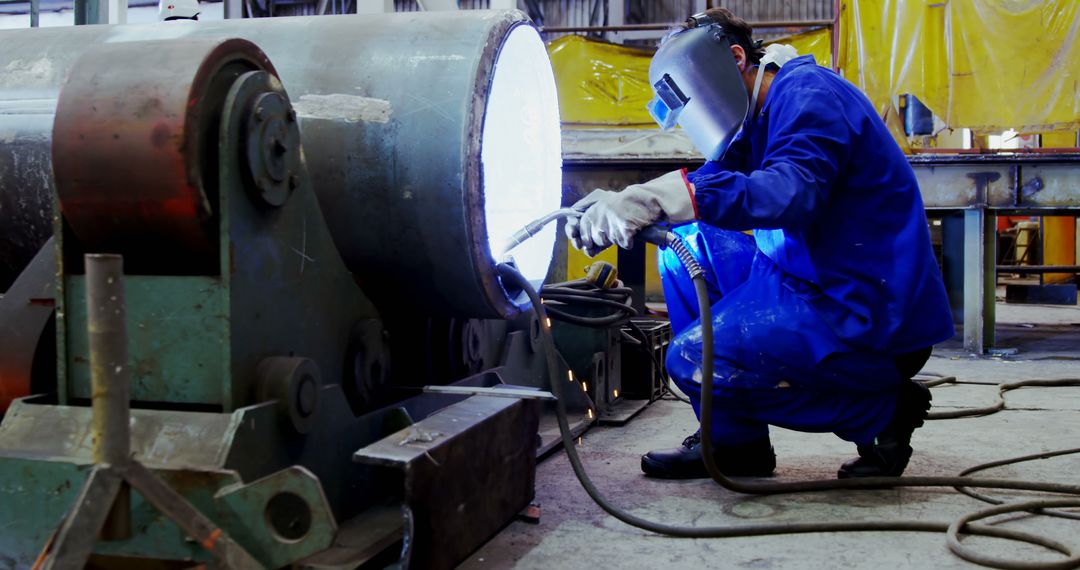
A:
x: 615, y: 217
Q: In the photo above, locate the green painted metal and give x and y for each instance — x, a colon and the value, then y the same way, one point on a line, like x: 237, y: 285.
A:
x: 248, y: 511
x: 155, y: 536
x: 239, y: 509
x: 178, y: 338
x: 159, y: 438
x: 226, y: 465
x: 35, y: 493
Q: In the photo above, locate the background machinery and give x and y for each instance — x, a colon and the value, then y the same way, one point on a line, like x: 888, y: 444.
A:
x: 304, y: 248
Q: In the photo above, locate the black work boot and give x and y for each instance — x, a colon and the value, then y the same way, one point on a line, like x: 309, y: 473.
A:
x: 753, y: 459
x: 888, y: 455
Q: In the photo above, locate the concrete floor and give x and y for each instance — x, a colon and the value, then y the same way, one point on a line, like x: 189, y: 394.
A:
x: 574, y: 533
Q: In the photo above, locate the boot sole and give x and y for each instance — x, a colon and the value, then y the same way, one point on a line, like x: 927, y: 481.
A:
x: 656, y: 470
x: 843, y: 474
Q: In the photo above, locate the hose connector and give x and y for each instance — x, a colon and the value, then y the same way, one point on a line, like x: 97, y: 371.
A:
x: 688, y: 260
x: 663, y: 237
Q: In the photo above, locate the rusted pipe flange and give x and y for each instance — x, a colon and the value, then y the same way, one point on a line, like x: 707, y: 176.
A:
x: 136, y: 124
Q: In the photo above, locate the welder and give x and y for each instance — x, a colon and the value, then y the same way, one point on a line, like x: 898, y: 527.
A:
x: 825, y: 314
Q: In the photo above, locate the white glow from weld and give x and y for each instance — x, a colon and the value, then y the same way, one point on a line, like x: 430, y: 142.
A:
x: 522, y: 151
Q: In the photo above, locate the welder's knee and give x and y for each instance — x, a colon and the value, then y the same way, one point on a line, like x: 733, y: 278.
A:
x: 730, y: 376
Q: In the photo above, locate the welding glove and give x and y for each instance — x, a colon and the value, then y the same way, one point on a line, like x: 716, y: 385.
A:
x: 615, y: 217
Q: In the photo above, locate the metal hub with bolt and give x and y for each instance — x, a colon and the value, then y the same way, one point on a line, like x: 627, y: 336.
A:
x: 272, y: 148
x: 294, y: 382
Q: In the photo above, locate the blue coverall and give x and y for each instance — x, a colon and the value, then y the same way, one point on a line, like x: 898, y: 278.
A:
x: 838, y: 279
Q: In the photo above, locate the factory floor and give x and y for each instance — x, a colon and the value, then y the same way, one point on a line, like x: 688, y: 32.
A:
x: 574, y: 533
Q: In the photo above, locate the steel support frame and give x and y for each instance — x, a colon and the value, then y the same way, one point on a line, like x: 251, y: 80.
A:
x: 617, y: 17
x: 984, y: 186
x: 103, y: 508
x: 90, y: 12
x: 375, y: 7
x: 233, y: 9
x: 980, y: 279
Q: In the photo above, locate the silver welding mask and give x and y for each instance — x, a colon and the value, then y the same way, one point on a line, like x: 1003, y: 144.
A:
x: 698, y: 87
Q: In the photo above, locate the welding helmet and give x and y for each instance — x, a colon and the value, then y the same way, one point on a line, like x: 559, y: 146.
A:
x: 178, y: 10
x: 698, y: 86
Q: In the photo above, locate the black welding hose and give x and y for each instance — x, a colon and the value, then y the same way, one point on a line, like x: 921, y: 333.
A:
x: 584, y: 293
x: 952, y: 536
x: 999, y: 403
x: 510, y: 274
x: 995, y: 501
x: 997, y: 406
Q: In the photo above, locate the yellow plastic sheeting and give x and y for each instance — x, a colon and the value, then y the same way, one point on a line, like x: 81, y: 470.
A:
x: 601, y: 83
x: 606, y: 84
x: 889, y: 47
x: 1059, y: 139
x: 1015, y: 64
x: 817, y: 43
x: 987, y: 65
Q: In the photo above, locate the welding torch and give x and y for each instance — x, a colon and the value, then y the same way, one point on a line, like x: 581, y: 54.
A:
x: 658, y: 235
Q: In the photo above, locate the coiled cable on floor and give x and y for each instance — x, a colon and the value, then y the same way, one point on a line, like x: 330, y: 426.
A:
x: 1012, y: 461
x: 999, y: 402
x: 582, y: 293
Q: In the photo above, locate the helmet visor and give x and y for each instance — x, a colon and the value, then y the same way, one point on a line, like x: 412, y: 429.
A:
x: 699, y: 87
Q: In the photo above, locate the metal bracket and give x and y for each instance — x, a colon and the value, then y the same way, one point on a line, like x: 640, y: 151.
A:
x: 521, y: 393
x: 78, y: 533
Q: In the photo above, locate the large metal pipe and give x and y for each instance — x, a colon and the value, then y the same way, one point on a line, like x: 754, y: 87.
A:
x: 392, y: 110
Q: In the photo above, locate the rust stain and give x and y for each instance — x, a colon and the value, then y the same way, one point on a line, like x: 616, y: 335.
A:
x: 209, y: 542
x: 160, y: 136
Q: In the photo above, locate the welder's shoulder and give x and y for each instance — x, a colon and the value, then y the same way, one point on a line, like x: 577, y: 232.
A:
x: 809, y: 78
x: 804, y: 91
x: 809, y: 81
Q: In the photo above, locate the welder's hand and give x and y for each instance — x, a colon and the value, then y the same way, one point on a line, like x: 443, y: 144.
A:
x: 573, y: 224
x: 613, y: 218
